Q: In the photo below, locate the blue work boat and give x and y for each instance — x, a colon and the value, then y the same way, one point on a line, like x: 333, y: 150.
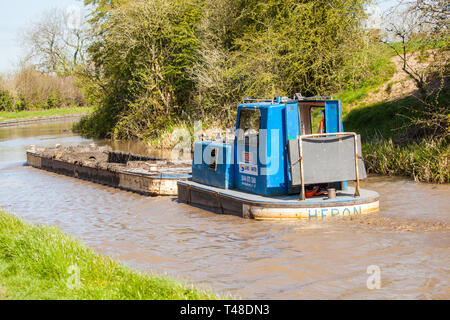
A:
x: 288, y: 159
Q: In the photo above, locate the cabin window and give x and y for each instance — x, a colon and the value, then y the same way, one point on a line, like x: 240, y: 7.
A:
x: 249, y: 123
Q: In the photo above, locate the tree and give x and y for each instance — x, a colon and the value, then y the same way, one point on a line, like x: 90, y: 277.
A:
x: 56, y: 43
x: 261, y: 48
x: 420, y: 30
x: 139, y: 66
x: 153, y: 63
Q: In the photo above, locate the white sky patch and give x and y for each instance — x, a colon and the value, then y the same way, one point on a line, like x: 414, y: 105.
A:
x: 15, y: 17
x: 374, y: 17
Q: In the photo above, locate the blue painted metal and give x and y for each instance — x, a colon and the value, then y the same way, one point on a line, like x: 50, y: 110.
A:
x: 259, y: 164
x: 292, y: 120
x: 333, y: 116
x: 292, y: 131
x: 213, y: 164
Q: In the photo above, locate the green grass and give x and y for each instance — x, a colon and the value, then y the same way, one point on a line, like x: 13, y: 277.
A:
x: 379, y: 70
x: 28, y: 114
x: 389, y: 119
x: 390, y: 146
x: 380, y: 119
x: 353, y: 95
x: 423, y: 44
x: 36, y: 262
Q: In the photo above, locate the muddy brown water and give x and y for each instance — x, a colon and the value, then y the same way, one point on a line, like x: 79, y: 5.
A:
x: 408, y: 240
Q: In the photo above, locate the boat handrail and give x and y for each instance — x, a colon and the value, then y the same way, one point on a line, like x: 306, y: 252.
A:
x: 318, y: 135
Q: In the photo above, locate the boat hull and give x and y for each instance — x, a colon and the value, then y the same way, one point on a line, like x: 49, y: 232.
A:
x: 252, y: 206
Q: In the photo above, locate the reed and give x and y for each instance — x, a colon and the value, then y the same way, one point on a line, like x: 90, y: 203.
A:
x: 425, y: 161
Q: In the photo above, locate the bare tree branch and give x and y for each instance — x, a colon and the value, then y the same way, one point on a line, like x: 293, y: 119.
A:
x: 53, y: 44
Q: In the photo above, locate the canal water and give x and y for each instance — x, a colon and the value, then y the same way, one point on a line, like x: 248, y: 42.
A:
x: 408, y: 241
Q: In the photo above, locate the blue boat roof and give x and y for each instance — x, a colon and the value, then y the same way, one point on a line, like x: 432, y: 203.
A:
x: 268, y: 103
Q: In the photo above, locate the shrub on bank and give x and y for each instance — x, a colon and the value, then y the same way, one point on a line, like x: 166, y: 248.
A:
x: 425, y: 161
x: 6, y: 101
x: 405, y: 137
x: 28, y: 89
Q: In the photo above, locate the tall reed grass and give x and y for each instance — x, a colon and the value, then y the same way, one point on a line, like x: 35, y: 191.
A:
x: 425, y: 161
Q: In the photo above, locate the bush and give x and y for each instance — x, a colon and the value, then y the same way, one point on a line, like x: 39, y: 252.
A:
x: 20, y: 104
x: 141, y: 64
x: 156, y: 62
x: 53, y: 101
x: 29, y: 89
x: 6, y: 101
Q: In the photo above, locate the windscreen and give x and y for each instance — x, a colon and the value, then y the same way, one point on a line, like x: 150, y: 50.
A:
x: 249, y: 122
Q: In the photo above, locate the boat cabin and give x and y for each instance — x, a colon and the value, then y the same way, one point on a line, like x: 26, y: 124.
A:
x: 275, y: 140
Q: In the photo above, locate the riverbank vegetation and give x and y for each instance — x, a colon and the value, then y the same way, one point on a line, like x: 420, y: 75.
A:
x: 405, y: 122
x: 43, y: 113
x: 405, y: 137
x: 40, y: 262
x: 206, y: 56
x: 156, y: 64
x: 30, y: 89
x: 54, y: 47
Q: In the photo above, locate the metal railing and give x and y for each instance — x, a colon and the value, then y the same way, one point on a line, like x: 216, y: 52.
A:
x: 251, y: 100
x: 318, y: 135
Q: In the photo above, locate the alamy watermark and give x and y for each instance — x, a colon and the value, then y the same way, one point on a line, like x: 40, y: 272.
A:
x: 374, y: 280
x: 263, y: 146
x: 73, y: 282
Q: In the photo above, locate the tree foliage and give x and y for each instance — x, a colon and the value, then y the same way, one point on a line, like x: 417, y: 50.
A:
x: 155, y: 62
x: 140, y: 66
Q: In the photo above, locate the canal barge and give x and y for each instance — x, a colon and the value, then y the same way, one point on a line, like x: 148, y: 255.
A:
x: 141, y: 174
x: 278, y: 167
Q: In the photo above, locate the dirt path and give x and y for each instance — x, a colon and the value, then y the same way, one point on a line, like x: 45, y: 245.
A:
x: 400, y: 85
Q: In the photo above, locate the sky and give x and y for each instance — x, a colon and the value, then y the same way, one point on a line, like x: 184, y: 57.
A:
x: 15, y: 16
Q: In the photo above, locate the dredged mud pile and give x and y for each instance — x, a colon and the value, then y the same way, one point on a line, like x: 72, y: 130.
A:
x: 105, y: 158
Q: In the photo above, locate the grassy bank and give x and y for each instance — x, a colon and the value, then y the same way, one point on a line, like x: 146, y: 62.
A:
x: 43, y: 113
x: 392, y: 145
x: 380, y: 69
x: 41, y: 262
x: 384, y: 119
